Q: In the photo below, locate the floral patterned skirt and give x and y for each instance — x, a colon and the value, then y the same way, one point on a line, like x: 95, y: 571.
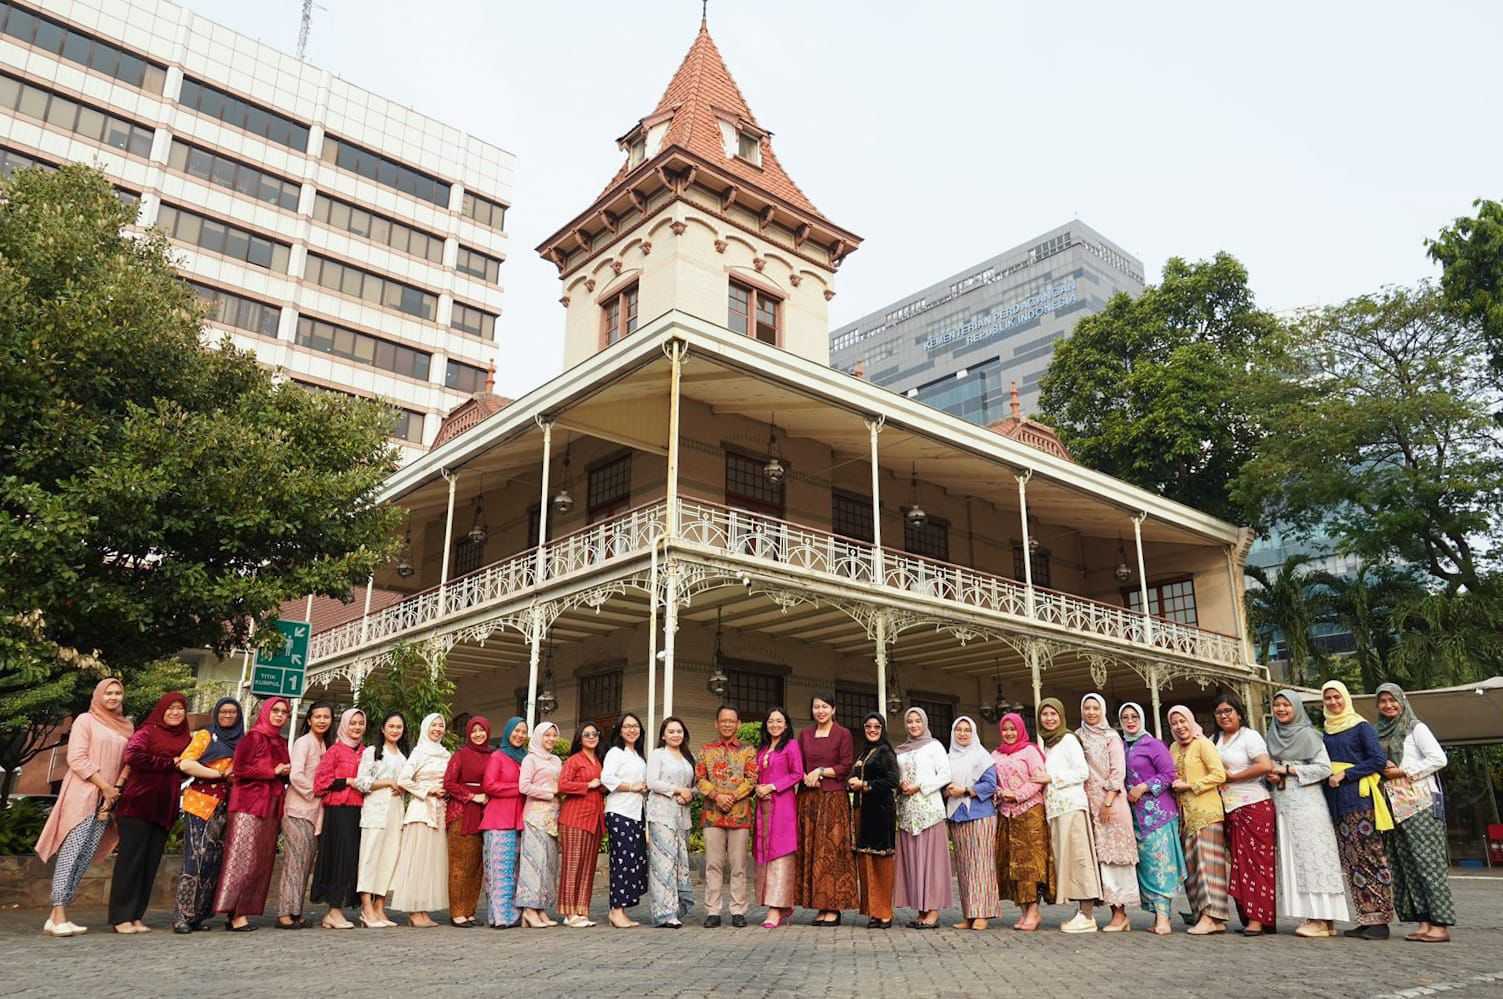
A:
x: 1161, y: 868
x: 1369, y: 879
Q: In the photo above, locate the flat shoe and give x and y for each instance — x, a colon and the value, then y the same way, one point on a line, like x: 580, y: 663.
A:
x: 247, y: 928
x: 1114, y: 928
x: 914, y: 924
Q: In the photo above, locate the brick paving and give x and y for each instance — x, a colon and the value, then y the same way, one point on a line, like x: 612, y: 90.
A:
x: 844, y: 963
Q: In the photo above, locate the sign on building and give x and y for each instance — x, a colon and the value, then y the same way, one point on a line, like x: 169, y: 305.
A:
x: 280, y: 671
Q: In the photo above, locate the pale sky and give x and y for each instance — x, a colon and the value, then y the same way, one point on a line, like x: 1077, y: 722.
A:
x: 1320, y: 143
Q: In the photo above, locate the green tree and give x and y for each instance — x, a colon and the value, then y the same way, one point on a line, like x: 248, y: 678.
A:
x: 1149, y: 389
x: 1380, y: 433
x: 411, y: 685
x: 1284, y: 603
x: 1366, y: 604
x: 1448, y: 638
x: 155, y: 493
x: 1470, y: 252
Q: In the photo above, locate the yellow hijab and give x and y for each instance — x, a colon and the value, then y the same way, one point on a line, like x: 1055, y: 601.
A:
x: 1348, y: 718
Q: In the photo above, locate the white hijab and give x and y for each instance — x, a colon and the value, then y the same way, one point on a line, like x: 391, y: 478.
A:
x: 967, y: 763
x: 427, y: 749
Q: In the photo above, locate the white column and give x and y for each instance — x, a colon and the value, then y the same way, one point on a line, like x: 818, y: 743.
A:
x: 1023, y: 478
x: 676, y: 354
x: 670, y: 625
x: 1154, y: 683
x: 1038, y: 680
x: 245, y: 674
x: 365, y: 615
x: 881, y: 625
x: 534, y: 643
x: 443, y: 569
x: 652, y: 644
x: 292, y: 729
x: 542, y: 563
x: 1137, y: 535
x: 874, y: 425
x: 308, y: 609
x: 1239, y: 606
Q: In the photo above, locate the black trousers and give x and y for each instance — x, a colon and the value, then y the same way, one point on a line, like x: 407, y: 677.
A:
x: 140, y: 854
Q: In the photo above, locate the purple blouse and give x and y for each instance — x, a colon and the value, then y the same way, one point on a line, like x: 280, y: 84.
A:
x: 834, y: 751
x: 777, y: 814
x: 1148, y: 762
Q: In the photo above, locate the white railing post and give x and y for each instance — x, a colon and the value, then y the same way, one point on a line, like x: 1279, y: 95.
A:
x: 542, y: 565
x: 670, y: 626
x: 1137, y: 534
x: 365, y: 615
x: 1028, y: 598
x: 652, y: 644
x: 534, y: 642
x: 881, y: 631
x: 443, y: 570
x: 879, y: 576
x: 676, y: 352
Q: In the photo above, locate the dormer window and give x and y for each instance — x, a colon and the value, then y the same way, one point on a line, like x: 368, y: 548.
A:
x: 749, y: 148
x: 637, y: 151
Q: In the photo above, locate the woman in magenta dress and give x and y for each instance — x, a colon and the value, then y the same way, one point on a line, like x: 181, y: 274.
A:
x: 780, y: 767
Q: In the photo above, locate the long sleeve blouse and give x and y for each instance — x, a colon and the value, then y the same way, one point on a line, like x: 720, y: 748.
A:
x: 583, y: 807
x: 834, y: 750
x: 777, y: 814
x: 623, y: 767
x: 378, y: 802
x: 151, y: 790
x: 1423, y: 757
x: 307, y: 752
x: 668, y: 772
x: 1199, y: 765
x: 340, y: 763
x: 876, y: 822
x: 203, y: 795
x: 1014, y: 773
x: 93, y: 748
x: 1065, y: 763
x: 538, y: 782
x: 422, y: 774
x: 502, y: 785
x: 255, y: 787
x: 1359, y: 747
x: 980, y: 804
x: 929, y: 768
x: 1149, y: 764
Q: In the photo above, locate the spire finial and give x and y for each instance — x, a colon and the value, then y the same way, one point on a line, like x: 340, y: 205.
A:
x: 704, y: 13
x: 490, y: 377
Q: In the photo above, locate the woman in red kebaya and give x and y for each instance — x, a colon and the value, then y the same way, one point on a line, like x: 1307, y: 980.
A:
x: 336, y: 872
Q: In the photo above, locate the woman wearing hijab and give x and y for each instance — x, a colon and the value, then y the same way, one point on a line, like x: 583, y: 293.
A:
x: 421, y: 883
x: 380, y: 818
x: 623, y: 774
x: 1077, y: 871
x: 670, y: 789
x: 336, y: 873
x: 923, y: 867
x: 874, y: 782
x: 1111, y: 816
x: 1250, y: 816
x: 78, y: 827
x: 1359, y: 810
x: 1025, y: 865
x: 501, y: 824
x: 463, y: 786
x: 302, y: 817
x: 1417, y: 845
x: 973, y: 824
x: 207, y: 760
x: 537, y: 880
x: 1309, y: 866
x: 1155, y: 816
x: 780, y: 767
x: 1198, y: 776
x: 827, y: 871
x: 260, y: 765
x: 147, y: 808
x: 581, y: 823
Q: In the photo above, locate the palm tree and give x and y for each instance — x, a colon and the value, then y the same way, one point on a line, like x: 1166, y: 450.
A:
x: 1449, y: 638
x: 1365, y: 604
x: 1283, y: 603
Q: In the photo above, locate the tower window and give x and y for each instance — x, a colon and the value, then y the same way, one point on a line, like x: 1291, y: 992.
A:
x: 637, y: 151
x: 753, y: 313
x: 618, y: 316
x: 749, y: 148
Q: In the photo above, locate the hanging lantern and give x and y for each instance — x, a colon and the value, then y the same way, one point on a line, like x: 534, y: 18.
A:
x: 562, y: 501
x: 719, y: 684
x: 1123, y: 572
x: 999, y: 706
x: 478, y: 533
x: 774, y: 469
x: 404, y: 557
x: 915, y: 514
x: 547, y: 702
x: 1033, y: 536
x: 894, y: 703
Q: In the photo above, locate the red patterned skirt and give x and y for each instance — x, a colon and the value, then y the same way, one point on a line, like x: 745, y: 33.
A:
x: 1250, y: 841
x: 578, y: 852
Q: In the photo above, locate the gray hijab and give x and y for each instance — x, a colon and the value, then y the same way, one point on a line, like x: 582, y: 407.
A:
x: 1297, y: 742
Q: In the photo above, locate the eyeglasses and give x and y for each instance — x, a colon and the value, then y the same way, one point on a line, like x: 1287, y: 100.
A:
x: 1225, y: 711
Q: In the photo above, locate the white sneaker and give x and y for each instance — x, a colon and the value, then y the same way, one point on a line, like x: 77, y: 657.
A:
x: 1080, y: 923
x: 52, y: 929
x: 74, y: 929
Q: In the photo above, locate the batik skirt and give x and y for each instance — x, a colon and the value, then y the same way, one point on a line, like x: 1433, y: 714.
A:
x: 578, y: 852
x: 1025, y: 864
x: 976, y: 867
x: 1205, y: 872
x: 628, y: 860
x: 1369, y: 880
x: 1161, y: 868
x: 465, y: 873
x: 537, y: 867
x: 299, y: 845
x: 1252, y: 879
x: 826, y: 867
x: 203, y: 851
x: 670, y: 892
x: 1417, y: 850
x: 250, y: 853
x: 500, y: 849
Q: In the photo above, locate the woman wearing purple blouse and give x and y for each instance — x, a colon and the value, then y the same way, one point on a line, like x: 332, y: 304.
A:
x: 826, y: 866
x: 780, y: 767
x: 1155, y: 816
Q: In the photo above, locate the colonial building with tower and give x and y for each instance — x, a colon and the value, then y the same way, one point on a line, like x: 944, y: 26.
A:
x: 700, y: 509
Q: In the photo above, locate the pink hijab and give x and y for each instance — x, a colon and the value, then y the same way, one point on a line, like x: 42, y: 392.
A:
x: 114, y: 720
x: 1195, y: 730
x: 1018, y: 744
x: 344, y: 727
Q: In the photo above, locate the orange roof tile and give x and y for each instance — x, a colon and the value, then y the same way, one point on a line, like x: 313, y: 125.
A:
x: 701, y: 88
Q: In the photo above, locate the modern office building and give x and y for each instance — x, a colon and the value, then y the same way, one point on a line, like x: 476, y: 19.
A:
x: 348, y: 241
x: 957, y: 345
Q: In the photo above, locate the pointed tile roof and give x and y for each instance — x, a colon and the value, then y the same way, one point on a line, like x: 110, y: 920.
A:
x: 700, y: 93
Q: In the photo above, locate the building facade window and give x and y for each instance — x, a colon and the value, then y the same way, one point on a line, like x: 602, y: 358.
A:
x: 748, y: 487
x: 618, y: 316
x: 234, y: 175
x: 243, y: 313
x: 215, y: 103
x: 749, y: 148
x: 12, y: 160
x: 753, y: 313
x: 378, y: 229
x: 1042, y: 575
x: 31, y: 28
x: 468, y: 319
x: 221, y: 237
x: 383, y: 170
x: 491, y: 214
x: 481, y: 265
x: 752, y: 690
x: 464, y: 377
x: 930, y: 539
x: 1173, y: 600
x: 600, y: 700
x: 852, y: 705
x: 70, y: 116
x: 363, y: 349
x: 372, y: 288
x: 609, y: 489
x: 468, y: 556
x: 851, y: 515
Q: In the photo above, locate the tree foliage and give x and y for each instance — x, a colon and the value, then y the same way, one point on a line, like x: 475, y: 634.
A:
x: 1284, y: 603
x: 1149, y: 389
x: 1379, y: 432
x: 409, y: 685
x: 1470, y: 252
x: 1367, y: 605
x: 156, y: 493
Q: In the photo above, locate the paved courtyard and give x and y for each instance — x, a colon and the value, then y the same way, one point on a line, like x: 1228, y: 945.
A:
x: 800, y: 960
